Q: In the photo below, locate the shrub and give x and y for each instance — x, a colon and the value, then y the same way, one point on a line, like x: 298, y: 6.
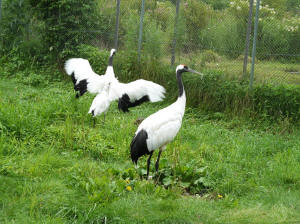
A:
x: 197, y: 15
x: 225, y: 36
x: 153, y: 40
x: 14, y: 24
x: 97, y: 58
x: 67, y: 22
x: 218, y: 4
x: 209, y: 56
x: 272, y: 40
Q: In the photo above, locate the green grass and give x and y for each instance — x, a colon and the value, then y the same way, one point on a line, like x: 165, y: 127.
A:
x: 265, y: 71
x: 56, y: 168
x: 272, y: 72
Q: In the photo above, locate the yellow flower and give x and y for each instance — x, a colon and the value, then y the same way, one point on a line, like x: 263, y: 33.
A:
x: 128, y: 188
x: 220, y: 196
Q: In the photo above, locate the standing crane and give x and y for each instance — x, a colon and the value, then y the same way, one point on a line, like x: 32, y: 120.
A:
x: 160, y: 128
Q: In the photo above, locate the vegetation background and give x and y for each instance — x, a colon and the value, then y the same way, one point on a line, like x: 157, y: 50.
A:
x: 236, y: 158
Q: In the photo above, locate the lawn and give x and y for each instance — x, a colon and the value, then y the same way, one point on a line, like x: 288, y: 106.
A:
x: 56, y: 168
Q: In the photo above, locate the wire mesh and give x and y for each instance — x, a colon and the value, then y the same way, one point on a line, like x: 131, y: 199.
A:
x: 208, y: 35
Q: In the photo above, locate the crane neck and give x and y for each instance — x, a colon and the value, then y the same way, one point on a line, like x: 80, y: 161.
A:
x: 110, y: 60
x: 180, y: 83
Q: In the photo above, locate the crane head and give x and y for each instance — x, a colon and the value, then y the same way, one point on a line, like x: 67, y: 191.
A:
x: 113, y: 52
x: 183, y: 68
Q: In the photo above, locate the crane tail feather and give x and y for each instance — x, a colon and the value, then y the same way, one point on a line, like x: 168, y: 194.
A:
x: 138, y: 146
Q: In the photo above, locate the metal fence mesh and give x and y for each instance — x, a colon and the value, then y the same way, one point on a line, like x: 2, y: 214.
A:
x: 185, y: 31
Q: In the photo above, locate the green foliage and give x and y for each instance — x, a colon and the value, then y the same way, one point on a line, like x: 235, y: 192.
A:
x: 66, y: 23
x: 279, y: 101
x: 209, y: 56
x: 153, y: 40
x: 131, y: 36
x: 225, y: 36
x: 97, y: 58
x: 278, y: 4
x: 54, y: 29
x: 218, y: 4
x: 197, y: 16
x: 272, y: 39
x: 15, y: 22
x: 293, y: 6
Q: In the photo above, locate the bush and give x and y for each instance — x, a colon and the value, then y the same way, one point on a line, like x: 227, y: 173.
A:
x: 14, y: 22
x: 197, y: 15
x: 225, y: 37
x: 209, y: 56
x: 153, y: 40
x: 272, y: 40
x: 97, y: 58
x: 66, y: 23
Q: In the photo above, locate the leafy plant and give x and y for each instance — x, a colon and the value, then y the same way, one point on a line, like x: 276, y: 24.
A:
x: 77, y: 16
x: 190, y: 177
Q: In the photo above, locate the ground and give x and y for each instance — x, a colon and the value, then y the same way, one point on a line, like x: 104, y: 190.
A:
x: 56, y: 168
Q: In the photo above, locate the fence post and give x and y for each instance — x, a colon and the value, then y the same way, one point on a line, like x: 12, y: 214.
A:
x: 117, y: 24
x: 0, y: 9
x: 175, y: 33
x: 254, y: 44
x: 247, y: 43
x: 141, y: 29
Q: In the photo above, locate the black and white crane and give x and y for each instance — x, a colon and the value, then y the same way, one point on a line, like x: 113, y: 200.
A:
x: 128, y: 94
x: 100, y: 104
x: 84, y: 78
x: 108, y: 88
x: 160, y: 128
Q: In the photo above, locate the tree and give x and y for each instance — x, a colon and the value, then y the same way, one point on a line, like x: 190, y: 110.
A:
x: 68, y: 23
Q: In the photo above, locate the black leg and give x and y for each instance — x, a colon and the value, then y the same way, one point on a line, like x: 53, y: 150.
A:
x: 104, y: 119
x: 157, y: 161
x: 148, y: 164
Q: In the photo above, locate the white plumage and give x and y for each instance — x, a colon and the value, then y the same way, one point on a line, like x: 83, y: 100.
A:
x: 163, y: 126
x: 100, y: 103
x: 160, y: 128
x: 128, y: 94
x: 108, y: 88
x: 84, y: 78
x: 136, y: 90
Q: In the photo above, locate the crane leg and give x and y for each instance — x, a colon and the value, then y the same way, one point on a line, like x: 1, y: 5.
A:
x: 104, y: 119
x: 148, y: 164
x: 157, y: 161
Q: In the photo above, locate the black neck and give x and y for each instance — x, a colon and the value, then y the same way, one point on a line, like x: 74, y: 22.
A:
x: 179, y: 81
x: 110, y: 60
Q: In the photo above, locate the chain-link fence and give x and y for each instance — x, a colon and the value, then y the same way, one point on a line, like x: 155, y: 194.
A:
x: 207, y: 35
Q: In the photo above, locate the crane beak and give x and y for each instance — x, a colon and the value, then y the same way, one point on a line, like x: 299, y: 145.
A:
x: 193, y: 71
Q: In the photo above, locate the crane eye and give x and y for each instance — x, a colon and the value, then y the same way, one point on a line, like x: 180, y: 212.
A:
x: 185, y: 67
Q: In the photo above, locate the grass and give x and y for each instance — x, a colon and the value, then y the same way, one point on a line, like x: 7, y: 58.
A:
x: 56, y: 168
x: 265, y: 71
x: 273, y: 72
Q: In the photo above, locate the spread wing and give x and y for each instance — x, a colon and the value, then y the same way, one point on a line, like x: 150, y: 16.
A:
x: 83, y: 75
x: 136, y: 90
